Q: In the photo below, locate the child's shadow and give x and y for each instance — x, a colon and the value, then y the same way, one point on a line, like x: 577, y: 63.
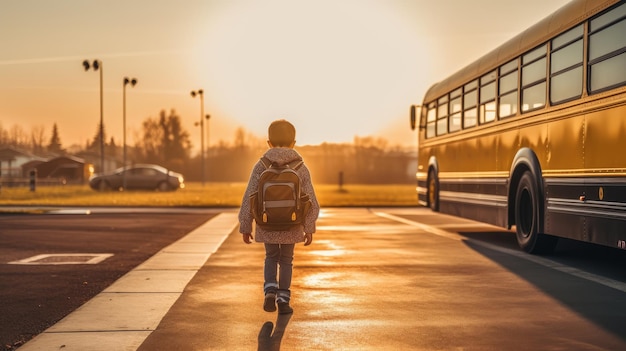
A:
x: 269, y: 341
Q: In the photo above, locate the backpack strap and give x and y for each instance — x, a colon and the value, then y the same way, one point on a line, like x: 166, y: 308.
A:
x: 266, y: 162
x: 295, y: 164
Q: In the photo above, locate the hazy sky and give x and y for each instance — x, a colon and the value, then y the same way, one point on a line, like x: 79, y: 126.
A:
x: 336, y: 68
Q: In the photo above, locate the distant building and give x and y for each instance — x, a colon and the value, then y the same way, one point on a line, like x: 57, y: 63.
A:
x: 16, y: 166
x: 12, y: 161
x: 93, y: 158
x: 65, y: 169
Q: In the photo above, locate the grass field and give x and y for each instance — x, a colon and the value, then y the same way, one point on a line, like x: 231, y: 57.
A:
x: 196, y: 195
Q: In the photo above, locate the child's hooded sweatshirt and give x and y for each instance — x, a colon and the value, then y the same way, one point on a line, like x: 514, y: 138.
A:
x: 280, y: 156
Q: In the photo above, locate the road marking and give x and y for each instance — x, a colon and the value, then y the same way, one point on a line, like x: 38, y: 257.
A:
x: 123, y: 315
x: 64, y: 258
x: 356, y: 228
x: 611, y: 283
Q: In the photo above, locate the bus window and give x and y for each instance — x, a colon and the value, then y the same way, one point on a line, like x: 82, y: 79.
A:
x: 607, y: 58
x: 455, y: 110
x: 488, y: 97
x: 608, y: 18
x: 566, y: 66
x: 534, y: 79
x: 508, y: 67
x: 431, y: 120
x: 442, y: 116
x: 534, y: 97
x: 470, y: 104
x: 508, y: 90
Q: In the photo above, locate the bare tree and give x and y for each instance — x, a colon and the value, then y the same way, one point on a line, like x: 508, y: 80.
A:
x: 151, y: 141
x: 4, y: 136
x: 18, y: 137
x: 37, y: 137
x: 165, y: 141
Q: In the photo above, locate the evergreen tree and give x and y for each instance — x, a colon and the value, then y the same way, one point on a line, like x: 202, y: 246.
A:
x: 55, y: 141
x: 111, y: 148
x: 95, y: 144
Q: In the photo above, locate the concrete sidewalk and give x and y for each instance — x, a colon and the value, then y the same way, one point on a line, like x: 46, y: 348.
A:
x: 123, y: 315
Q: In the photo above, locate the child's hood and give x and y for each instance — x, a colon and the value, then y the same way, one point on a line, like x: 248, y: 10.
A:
x: 282, y: 155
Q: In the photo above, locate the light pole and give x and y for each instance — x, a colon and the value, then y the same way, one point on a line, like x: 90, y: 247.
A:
x: 132, y: 82
x: 207, y: 117
x: 200, y: 93
x: 97, y: 65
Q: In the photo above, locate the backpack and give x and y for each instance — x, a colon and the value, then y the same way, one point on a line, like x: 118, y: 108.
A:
x: 278, y: 203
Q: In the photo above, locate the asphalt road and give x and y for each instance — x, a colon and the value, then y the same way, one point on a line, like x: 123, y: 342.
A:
x: 35, y: 296
x: 374, y: 279
x: 393, y: 279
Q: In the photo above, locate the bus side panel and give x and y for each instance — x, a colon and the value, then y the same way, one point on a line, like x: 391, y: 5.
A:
x: 605, y: 211
x: 605, y: 160
x: 456, y: 158
x: 478, y: 212
x: 605, y: 138
x: 564, y: 154
x: 469, y: 191
x: 590, y: 219
x: 564, y: 210
x: 534, y: 136
x: 561, y: 172
x: 485, y: 154
x: 586, y: 176
x: 508, y: 146
x: 609, y: 232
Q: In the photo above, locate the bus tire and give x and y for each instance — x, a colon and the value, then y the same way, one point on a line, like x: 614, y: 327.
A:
x: 433, y: 191
x: 528, y: 214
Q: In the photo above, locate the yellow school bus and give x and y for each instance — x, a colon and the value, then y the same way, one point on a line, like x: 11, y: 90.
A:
x: 533, y: 134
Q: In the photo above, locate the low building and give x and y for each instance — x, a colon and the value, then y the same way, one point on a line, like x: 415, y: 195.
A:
x: 65, y: 169
x: 12, y: 161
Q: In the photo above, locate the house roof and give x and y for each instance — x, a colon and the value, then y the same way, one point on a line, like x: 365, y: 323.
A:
x: 10, y: 153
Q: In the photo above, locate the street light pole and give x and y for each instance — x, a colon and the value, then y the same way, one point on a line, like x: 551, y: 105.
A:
x: 200, y: 93
x: 208, y: 147
x: 132, y: 82
x: 97, y: 65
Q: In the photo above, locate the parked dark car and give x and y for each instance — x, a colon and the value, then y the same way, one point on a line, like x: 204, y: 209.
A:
x: 139, y: 176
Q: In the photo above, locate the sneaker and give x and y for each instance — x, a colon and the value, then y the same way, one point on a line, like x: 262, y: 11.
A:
x: 269, y: 305
x: 284, y: 308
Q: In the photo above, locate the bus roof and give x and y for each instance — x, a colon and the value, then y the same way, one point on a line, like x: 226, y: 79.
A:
x: 563, y: 19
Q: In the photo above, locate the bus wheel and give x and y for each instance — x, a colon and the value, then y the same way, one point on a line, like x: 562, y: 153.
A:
x: 433, y: 191
x: 527, y: 216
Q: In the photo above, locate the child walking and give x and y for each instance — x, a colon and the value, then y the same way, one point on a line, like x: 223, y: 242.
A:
x: 279, y: 244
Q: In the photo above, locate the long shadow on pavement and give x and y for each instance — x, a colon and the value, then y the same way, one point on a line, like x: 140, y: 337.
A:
x: 603, y: 305
x: 270, y: 341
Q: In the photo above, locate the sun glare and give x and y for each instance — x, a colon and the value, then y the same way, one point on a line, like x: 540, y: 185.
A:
x: 333, y: 68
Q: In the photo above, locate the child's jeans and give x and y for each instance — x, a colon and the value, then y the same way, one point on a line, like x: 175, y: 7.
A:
x: 278, y: 255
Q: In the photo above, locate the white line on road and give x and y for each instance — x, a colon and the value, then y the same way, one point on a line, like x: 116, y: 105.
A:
x: 537, y: 259
x: 64, y: 258
x: 123, y: 315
